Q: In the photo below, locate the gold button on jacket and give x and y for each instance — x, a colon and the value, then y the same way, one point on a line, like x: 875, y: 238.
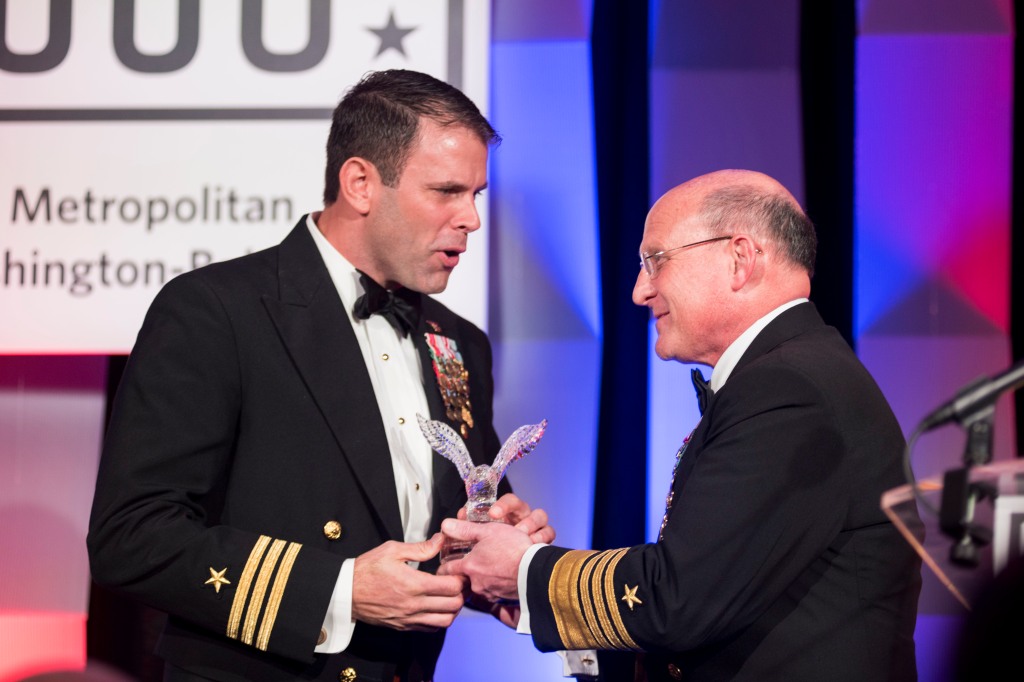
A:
x: 332, y: 529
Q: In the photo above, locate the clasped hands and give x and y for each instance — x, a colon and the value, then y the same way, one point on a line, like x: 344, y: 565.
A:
x: 387, y: 591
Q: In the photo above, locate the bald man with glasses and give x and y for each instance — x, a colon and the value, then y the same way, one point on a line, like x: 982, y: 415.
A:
x: 774, y: 560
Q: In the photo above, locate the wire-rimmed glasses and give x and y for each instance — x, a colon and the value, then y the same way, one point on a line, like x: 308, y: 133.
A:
x: 651, y: 262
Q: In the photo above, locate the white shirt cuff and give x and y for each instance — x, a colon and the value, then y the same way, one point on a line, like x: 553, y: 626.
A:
x: 338, y: 624
x: 581, y: 662
x: 524, y: 570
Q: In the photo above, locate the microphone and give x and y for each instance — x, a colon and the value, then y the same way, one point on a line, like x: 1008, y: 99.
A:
x: 975, y: 397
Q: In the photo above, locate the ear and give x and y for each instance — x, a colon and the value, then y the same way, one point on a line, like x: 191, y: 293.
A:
x: 746, y: 258
x: 358, y: 181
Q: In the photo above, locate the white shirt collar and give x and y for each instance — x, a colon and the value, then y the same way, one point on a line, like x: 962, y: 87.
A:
x: 343, y: 274
x: 731, y: 356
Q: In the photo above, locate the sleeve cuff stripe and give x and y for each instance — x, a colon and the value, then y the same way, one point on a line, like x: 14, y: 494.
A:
x: 276, y: 594
x: 603, y: 589
x: 260, y: 568
x: 612, y: 606
x: 244, y: 584
x: 252, y: 614
x: 592, y: 564
x: 562, y: 592
x: 582, y: 595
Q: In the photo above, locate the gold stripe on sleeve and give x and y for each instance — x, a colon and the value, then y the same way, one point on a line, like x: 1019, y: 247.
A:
x: 602, y: 590
x: 612, y: 604
x: 564, y: 597
x: 252, y: 614
x: 588, y: 598
x: 582, y: 595
x: 244, y: 583
x: 276, y: 593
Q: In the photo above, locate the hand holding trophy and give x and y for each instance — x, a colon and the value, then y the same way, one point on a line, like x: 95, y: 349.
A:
x: 481, y: 480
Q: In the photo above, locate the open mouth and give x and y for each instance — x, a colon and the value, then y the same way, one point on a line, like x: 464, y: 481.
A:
x: 451, y: 258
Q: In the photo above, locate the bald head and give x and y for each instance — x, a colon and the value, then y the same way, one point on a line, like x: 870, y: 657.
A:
x: 728, y: 201
x: 725, y: 249
x: 734, y: 176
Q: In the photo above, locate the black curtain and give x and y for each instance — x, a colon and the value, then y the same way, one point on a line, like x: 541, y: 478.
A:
x: 620, y: 77
x: 827, y: 49
x: 619, y: 40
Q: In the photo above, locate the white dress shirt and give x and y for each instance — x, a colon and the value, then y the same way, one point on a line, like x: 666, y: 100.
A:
x: 396, y: 376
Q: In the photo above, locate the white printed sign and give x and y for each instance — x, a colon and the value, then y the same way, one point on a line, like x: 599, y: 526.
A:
x: 144, y: 138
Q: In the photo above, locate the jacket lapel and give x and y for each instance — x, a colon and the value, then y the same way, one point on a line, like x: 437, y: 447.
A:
x: 315, y: 329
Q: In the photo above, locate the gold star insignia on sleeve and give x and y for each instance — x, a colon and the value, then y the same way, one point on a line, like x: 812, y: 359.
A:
x: 630, y: 597
x: 217, y: 579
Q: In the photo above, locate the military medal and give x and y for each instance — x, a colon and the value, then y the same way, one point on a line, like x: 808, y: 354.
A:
x: 452, y: 380
x: 672, y: 493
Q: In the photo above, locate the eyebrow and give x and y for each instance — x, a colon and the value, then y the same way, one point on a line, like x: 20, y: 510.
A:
x: 457, y: 186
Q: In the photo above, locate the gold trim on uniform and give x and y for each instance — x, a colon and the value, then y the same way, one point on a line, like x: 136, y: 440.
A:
x: 332, y: 530
x: 217, y: 579
x: 600, y: 585
x: 252, y: 589
x: 583, y: 602
x: 590, y: 614
x: 613, y: 606
x: 276, y: 593
x: 564, y: 600
x: 630, y: 596
x: 259, y: 590
x: 244, y: 583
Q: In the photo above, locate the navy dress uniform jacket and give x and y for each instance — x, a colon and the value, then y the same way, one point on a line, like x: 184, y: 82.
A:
x: 245, y: 441
x: 777, y: 562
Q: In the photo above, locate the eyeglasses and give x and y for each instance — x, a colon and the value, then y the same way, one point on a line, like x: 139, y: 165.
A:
x: 651, y: 262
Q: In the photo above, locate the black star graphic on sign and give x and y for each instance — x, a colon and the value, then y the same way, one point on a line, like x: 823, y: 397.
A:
x: 391, y: 36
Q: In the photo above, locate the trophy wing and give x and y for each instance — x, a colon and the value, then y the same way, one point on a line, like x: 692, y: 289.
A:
x: 447, y: 443
x: 523, y: 440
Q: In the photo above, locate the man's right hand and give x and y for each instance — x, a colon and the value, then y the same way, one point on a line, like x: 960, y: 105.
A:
x: 387, y: 591
x: 492, y: 566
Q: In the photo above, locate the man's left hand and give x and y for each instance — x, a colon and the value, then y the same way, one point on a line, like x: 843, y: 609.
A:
x: 534, y: 522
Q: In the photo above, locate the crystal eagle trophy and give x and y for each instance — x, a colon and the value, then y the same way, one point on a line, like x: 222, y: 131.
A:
x: 481, y: 480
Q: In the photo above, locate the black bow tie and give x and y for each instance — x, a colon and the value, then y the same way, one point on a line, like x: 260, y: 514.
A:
x: 400, y: 308
x: 704, y: 391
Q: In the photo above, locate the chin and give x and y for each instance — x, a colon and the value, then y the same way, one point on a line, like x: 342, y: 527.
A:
x: 664, y: 350
x: 433, y: 285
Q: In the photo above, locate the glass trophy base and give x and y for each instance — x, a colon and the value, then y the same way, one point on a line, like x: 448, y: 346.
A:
x: 453, y: 550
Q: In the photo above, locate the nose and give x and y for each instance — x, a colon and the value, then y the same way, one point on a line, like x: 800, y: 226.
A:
x: 643, y: 290
x: 469, y: 217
